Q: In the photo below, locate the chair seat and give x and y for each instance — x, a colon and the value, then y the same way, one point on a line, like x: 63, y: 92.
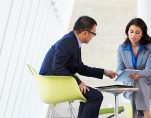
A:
x: 106, y: 111
x: 110, y: 110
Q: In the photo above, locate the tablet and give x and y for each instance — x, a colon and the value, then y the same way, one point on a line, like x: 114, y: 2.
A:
x: 124, y: 76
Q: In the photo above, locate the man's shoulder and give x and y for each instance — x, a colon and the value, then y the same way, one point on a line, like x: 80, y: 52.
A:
x: 69, y: 38
x: 68, y: 41
x: 70, y: 35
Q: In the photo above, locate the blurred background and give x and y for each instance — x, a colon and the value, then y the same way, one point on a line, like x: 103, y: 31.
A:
x: 28, y: 28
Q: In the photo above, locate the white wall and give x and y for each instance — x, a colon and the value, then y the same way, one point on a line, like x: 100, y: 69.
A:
x: 143, y: 11
x: 27, y: 30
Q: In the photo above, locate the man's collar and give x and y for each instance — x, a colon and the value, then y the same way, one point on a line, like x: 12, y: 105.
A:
x: 79, y: 42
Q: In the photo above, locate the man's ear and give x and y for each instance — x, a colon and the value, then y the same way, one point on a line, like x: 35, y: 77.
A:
x: 84, y: 32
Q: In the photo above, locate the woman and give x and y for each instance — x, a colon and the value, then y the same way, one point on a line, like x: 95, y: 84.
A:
x: 135, y: 53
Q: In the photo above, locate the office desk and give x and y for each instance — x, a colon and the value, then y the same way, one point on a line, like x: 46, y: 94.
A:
x: 116, y: 90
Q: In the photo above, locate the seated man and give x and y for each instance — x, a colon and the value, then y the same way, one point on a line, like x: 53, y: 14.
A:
x: 64, y: 58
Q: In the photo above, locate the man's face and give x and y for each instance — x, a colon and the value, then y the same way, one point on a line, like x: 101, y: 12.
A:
x: 89, y: 34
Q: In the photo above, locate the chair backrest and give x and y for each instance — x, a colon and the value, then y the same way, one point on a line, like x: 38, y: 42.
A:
x: 56, y: 89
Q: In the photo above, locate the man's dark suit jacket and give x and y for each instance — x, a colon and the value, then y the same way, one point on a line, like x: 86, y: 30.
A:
x: 64, y: 58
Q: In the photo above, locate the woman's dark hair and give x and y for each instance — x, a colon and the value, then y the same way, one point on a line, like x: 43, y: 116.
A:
x: 84, y: 23
x: 145, y: 39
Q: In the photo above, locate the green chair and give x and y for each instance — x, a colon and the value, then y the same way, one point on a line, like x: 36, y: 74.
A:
x: 110, y: 111
x: 57, y: 89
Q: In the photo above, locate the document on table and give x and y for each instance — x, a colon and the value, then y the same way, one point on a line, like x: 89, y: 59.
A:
x: 124, y: 76
x: 114, y: 86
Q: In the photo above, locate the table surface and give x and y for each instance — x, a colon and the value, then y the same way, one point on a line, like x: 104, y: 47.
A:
x: 117, y: 88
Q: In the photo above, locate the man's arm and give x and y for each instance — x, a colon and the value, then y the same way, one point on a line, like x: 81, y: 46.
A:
x: 95, y: 72
x: 90, y: 71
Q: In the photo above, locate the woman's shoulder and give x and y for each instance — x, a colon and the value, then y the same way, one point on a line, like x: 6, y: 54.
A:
x: 148, y: 46
x: 123, y: 47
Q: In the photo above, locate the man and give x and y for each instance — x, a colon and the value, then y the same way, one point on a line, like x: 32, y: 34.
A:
x: 64, y: 58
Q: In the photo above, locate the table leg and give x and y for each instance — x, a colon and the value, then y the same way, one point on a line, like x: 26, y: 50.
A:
x: 116, y: 106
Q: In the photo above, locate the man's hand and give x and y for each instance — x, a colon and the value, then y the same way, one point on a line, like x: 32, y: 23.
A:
x: 83, y: 87
x: 109, y: 73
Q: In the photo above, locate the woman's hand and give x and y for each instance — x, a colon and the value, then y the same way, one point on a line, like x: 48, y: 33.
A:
x: 134, y: 76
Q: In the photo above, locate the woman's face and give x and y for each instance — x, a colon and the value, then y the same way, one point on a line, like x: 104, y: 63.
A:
x: 134, y: 34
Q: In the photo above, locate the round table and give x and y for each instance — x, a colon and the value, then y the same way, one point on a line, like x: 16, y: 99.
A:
x: 116, y: 90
